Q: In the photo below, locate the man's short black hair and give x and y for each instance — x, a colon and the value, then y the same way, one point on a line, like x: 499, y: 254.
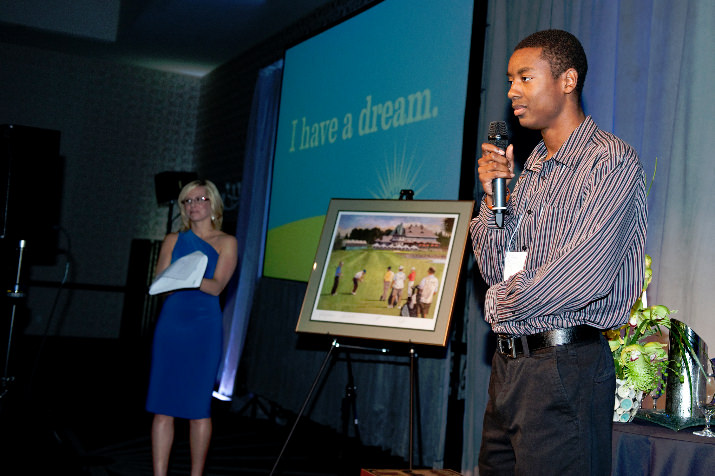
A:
x: 562, y: 50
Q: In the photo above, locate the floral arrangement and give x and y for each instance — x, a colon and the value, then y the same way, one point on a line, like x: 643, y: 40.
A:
x: 641, y: 364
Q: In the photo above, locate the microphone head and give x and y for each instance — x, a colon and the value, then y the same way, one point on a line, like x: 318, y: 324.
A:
x: 498, y: 134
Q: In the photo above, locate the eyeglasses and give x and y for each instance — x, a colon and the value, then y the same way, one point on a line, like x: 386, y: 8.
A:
x: 187, y: 202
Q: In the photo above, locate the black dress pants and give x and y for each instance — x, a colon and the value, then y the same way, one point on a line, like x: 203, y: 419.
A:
x: 550, y: 413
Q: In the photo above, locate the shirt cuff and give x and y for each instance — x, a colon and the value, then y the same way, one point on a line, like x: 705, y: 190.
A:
x: 491, y: 314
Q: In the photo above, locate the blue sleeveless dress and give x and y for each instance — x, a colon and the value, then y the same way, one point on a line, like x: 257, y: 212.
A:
x: 188, y: 342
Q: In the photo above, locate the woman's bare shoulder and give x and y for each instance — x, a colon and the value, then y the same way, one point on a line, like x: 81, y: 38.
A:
x: 221, y: 241
x: 224, y: 239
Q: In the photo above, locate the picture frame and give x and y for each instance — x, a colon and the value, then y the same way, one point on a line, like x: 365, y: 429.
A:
x: 365, y: 238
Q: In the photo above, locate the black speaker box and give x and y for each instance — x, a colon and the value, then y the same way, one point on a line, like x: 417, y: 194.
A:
x: 31, y: 174
x: 169, y: 184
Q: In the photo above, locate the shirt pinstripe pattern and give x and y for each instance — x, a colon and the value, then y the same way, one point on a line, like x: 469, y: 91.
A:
x: 581, y: 217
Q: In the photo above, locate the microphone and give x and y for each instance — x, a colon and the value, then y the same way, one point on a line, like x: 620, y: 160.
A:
x: 499, y: 137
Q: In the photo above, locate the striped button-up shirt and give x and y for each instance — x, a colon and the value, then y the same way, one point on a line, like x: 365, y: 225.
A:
x: 581, y: 218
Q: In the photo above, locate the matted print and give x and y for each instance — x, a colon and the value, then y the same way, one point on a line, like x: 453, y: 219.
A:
x: 387, y: 269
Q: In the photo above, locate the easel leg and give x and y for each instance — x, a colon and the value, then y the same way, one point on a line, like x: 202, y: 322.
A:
x: 349, y: 406
x: 349, y: 451
x: 305, y: 404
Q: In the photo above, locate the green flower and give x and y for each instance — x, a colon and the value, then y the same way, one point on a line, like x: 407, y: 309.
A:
x: 614, y: 345
x: 656, y: 351
x: 659, y: 312
x: 642, y: 373
x: 641, y: 363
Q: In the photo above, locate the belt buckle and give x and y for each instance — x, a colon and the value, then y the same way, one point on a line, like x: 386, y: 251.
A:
x: 506, y: 346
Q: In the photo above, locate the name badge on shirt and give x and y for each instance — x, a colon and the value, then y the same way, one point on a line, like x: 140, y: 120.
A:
x: 514, y: 262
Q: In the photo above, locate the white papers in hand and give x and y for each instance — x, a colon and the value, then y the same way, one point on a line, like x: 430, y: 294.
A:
x: 184, y: 273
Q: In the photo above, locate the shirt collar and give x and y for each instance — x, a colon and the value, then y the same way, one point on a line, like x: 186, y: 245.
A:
x: 575, y: 141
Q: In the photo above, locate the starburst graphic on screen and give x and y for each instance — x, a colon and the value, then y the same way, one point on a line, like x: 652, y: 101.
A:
x: 399, y: 173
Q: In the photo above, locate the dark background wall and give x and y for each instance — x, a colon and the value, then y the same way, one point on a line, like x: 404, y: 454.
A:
x: 120, y: 125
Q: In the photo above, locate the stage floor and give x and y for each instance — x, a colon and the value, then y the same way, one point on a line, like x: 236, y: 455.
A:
x: 76, y: 407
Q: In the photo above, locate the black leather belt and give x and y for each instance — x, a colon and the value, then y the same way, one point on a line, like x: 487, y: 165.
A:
x: 513, y: 346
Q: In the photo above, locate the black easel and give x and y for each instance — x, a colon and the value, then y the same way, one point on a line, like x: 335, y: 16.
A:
x: 349, y: 400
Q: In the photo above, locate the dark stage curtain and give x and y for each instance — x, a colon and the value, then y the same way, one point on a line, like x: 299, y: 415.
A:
x: 252, y: 220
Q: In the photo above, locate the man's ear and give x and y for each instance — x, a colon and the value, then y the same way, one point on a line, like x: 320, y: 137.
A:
x: 570, y: 79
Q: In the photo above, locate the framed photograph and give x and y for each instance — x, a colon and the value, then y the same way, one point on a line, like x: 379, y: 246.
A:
x: 387, y: 270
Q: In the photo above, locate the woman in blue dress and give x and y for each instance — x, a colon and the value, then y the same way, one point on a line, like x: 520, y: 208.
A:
x: 188, y: 337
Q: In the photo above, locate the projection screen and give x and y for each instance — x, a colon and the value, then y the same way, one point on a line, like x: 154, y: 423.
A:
x: 370, y: 107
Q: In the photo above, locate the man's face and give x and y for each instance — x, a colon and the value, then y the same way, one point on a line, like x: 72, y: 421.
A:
x: 537, y: 98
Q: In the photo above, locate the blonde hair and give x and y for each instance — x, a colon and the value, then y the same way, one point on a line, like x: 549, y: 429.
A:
x: 212, y: 194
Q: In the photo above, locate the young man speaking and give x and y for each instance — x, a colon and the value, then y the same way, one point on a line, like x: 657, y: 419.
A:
x: 567, y: 263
